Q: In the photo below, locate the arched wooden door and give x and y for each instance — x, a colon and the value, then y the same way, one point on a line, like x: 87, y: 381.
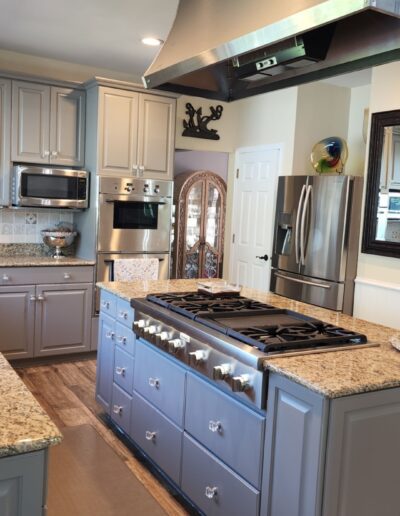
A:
x: 200, y: 202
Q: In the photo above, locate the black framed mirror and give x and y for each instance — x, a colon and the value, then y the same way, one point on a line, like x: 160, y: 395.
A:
x: 381, y: 234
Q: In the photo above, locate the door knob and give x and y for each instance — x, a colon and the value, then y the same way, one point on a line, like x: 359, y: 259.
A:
x: 265, y: 257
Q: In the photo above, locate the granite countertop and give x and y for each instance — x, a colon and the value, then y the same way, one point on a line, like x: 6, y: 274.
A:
x: 24, y: 426
x: 333, y: 374
x: 42, y: 261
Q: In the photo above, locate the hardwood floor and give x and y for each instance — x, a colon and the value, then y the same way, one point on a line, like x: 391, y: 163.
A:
x: 66, y: 391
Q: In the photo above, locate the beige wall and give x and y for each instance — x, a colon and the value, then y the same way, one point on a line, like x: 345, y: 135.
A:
x: 359, y: 101
x: 384, y: 97
x: 322, y: 111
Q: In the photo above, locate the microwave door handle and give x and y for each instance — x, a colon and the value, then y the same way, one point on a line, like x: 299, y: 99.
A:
x: 303, y: 224
x: 298, y: 217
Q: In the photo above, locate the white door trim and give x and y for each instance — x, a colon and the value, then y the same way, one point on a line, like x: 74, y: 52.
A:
x: 240, y: 150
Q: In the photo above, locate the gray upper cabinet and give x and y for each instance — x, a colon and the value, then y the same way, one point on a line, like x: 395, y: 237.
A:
x: 47, y: 124
x: 136, y: 134
x: 5, y: 125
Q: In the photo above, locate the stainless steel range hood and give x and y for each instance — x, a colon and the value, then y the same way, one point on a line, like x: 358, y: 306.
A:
x: 231, y: 49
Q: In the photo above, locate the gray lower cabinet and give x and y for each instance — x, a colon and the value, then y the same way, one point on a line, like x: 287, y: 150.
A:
x: 22, y: 484
x: 213, y: 487
x: 17, y: 321
x: 45, y: 319
x: 105, y: 362
x: 330, y: 457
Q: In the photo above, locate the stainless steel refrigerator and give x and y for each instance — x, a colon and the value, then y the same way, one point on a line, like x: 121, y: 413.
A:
x: 316, y: 236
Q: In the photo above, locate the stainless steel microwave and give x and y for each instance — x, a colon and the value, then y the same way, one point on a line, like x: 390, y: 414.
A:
x: 50, y: 187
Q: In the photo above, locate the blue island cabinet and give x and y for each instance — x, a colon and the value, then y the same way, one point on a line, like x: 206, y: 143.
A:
x: 331, y: 457
x: 307, y: 455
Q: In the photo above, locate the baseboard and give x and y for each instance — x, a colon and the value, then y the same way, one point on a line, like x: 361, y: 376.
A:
x: 377, y: 301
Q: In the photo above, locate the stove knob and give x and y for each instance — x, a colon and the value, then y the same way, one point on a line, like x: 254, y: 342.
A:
x: 162, y: 337
x: 197, y: 357
x: 150, y: 329
x: 138, y: 327
x: 220, y: 372
x: 157, y: 189
x: 175, y: 345
x: 240, y: 383
x: 146, y: 188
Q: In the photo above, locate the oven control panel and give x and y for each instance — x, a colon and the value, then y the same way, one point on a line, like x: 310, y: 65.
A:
x: 129, y: 185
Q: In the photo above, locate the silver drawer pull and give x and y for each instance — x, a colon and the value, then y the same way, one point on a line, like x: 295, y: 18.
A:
x: 123, y: 315
x: 303, y: 282
x: 110, y: 335
x: 67, y: 275
x: 117, y: 409
x: 215, y: 426
x: 211, y: 492
x: 154, y: 382
x: 150, y: 436
x: 5, y: 277
x: 105, y: 304
x: 120, y: 370
x: 122, y: 340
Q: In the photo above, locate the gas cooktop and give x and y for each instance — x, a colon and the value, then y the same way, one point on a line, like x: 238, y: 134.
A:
x: 270, y: 329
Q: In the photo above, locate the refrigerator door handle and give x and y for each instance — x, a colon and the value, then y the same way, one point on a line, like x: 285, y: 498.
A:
x: 296, y: 235
x: 305, y: 282
x: 302, y: 230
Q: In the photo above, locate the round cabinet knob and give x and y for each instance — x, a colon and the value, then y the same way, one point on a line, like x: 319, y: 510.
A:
x: 211, y: 492
x: 220, y: 372
x: 175, y: 345
x: 240, y: 383
x: 5, y: 277
x: 197, y: 357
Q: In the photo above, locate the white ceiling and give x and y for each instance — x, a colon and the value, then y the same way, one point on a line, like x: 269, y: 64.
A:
x: 99, y: 33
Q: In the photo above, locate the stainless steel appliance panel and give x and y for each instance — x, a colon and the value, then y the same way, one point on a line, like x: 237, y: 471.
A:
x: 324, y: 227
x: 309, y: 290
x: 48, y: 187
x: 290, y: 200
x: 133, y: 223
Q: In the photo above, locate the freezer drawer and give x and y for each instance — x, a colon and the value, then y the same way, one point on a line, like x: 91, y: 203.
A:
x: 309, y: 290
x: 214, y: 487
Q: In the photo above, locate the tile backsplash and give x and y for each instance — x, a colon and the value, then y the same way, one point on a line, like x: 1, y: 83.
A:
x: 23, y: 225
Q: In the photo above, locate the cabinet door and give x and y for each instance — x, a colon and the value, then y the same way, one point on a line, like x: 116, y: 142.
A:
x: 23, y: 484
x: 118, y: 114
x: 156, y: 136
x: 294, y: 456
x: 105, y: 362
x: 17, y: 317
x: 30, y: 122
x: 63, y: 318
x: 5, y: 129
x: 67, y: 129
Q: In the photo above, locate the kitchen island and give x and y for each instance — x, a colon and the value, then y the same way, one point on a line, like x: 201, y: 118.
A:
x: 26, y: 432
x: 332, y: 422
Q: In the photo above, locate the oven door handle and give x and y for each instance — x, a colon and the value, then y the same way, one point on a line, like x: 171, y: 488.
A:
x: 304, y: 282
x: 125, y: 198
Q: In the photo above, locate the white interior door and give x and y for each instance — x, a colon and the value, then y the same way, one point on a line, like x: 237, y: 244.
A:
x: 253, y: 215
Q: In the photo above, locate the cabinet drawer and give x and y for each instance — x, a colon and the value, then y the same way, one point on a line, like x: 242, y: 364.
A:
x: 229, y: 429
x: 157, y: 436
x: 51, y: 274
x: 125, y: 338
x: 121, y: 408
x: 123, y: 370
x: 108, y: 303
x: 124, y: 312
x: 160, y: 381
x: 212, y: 486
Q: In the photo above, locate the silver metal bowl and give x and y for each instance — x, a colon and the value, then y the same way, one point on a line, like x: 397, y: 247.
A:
x: 58, y: 240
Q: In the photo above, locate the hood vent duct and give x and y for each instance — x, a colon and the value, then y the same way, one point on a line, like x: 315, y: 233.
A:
x: 230, y: 49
